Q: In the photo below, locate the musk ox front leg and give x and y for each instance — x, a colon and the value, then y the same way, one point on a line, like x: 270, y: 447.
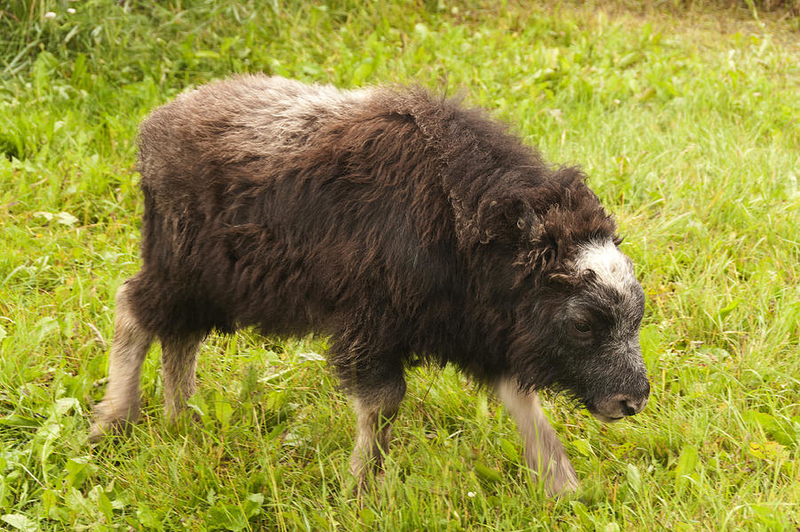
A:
x: 375, y: 411
x: 543, y: 451
x: 375, y: 380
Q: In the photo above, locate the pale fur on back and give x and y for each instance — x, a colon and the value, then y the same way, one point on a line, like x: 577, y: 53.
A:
x: 268, y: 116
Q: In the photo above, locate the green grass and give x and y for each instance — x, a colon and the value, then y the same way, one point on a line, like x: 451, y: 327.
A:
x: 688, y: 126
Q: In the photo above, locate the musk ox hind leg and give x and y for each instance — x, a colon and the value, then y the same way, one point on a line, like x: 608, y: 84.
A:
x: 543, y: 451
x: 120, y: 405
x: 178, y: 370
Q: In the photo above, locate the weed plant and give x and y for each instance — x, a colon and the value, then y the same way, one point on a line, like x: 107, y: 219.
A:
x: 688, y: 127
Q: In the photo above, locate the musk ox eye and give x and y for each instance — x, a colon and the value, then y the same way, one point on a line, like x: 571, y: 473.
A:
x: 582, y: 327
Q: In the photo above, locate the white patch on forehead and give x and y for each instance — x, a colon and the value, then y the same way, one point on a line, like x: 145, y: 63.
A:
x: 610, y: 265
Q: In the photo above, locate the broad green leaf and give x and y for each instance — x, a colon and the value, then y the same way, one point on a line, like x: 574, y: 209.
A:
x: 363, y: 71
x: 367, y: 516
x: 583, y: 514
x: 148, y: 517
x: 724, y: 311
x: 582, y: 446
x: 20, y: 522
x: 782, y: 431
x: 687, y: 461
x: 509, y: 450
x: 634, y: 477
x: 487, y: 473
x: 253, y: 504
x: 78, y: 470
x: 770, y: 450
x: 65, y: 404
x: 105, y: 506
x: 45, y: 327
x: 227, y: 517
x: 222, y: 411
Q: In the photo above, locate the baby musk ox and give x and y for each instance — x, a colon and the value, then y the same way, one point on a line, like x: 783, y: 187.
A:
x: 402, y: 224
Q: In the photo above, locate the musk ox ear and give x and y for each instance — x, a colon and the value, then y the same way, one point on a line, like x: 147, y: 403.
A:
x: 506, y: 219
x: 542, y: 253
x: 549, y: 252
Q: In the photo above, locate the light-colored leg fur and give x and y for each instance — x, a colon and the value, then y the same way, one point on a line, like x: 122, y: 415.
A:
x: 178, y: 369
x: 120, y: 405
x: 543, y: 451
x: 372, y: 443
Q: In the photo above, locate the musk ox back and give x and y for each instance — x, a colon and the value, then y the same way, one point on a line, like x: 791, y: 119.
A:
x: 402, y: 224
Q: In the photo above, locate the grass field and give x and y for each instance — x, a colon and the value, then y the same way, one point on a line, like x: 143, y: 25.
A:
x: 688, y: 125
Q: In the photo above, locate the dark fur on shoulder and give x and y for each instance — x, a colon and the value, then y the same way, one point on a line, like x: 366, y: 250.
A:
x: 403, y: 224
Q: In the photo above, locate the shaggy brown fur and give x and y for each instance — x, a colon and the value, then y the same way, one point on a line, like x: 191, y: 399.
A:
x: 404, y: 225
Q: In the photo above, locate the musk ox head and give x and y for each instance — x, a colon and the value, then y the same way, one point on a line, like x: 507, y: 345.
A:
x: 578, y: 304
x: 579, y: 331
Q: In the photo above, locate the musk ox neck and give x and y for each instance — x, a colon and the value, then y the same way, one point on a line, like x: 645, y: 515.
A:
x: 493, y: 182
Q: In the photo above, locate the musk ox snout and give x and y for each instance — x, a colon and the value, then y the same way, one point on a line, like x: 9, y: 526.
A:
x: 619, y: 405
x: 622, y: 389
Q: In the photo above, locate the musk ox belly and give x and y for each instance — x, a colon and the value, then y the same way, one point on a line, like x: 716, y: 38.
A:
x: 309, y: 252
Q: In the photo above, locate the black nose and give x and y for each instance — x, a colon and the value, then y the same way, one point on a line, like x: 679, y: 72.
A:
x: 631, y: 406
